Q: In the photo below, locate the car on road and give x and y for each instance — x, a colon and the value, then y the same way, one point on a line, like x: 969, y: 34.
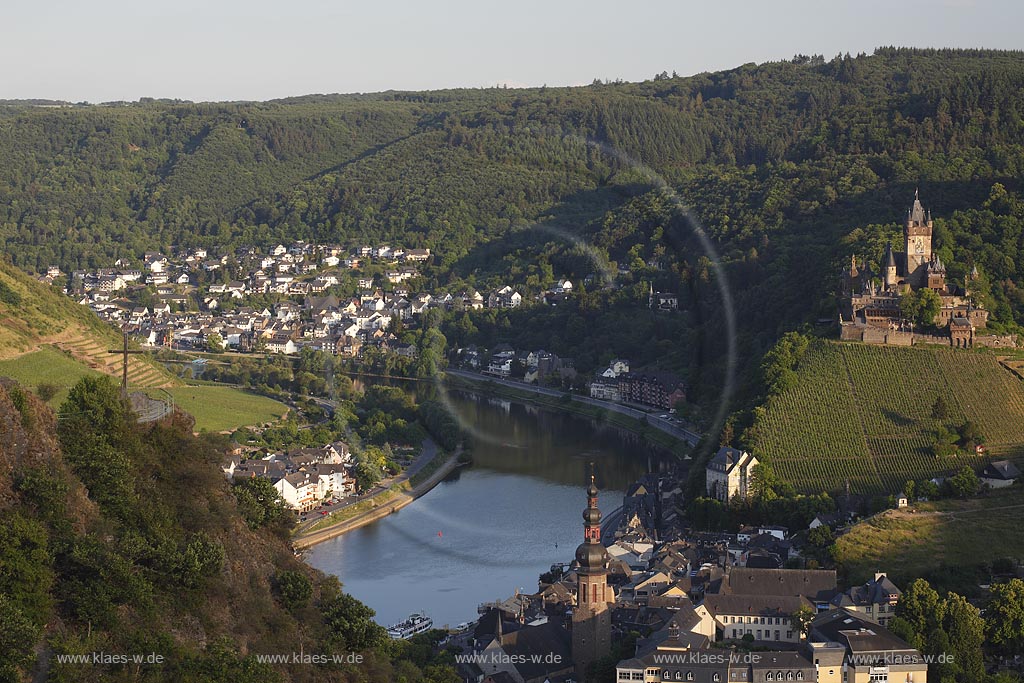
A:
x: 323, y: 512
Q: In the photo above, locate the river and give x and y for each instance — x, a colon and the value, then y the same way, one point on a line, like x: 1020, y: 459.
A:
x: 493, y: 527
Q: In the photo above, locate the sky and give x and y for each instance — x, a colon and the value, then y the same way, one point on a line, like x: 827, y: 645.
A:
x: 205, y: 50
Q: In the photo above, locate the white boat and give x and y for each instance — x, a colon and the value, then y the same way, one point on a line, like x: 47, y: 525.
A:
x: 417, y: 622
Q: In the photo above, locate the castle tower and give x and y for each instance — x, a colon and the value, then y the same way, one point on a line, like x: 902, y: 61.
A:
x: 917, y: 242
x: 591, y: 620
x: 889, y: 268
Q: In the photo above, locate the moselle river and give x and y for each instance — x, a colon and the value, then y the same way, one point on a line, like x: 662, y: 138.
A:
x: 493, y: 527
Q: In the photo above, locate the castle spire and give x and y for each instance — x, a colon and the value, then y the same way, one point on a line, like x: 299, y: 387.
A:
x: 917, y: 213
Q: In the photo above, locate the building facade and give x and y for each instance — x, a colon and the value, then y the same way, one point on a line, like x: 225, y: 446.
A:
x: 729, y: 474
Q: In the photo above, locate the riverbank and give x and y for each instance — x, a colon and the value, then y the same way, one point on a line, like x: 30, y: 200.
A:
x: 661, y: 433
x: 388, y: 501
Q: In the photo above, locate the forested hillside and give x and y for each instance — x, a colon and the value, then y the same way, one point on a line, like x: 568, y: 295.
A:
x: 790, y: 167
x: 126, y: 540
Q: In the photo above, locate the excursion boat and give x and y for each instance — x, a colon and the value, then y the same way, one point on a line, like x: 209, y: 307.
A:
x: 418, y: 622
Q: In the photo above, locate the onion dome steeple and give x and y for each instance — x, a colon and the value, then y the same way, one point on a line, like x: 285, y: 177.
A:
x: 591, y: 554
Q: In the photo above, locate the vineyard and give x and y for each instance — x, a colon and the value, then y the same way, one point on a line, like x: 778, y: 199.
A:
x: 862, y: 414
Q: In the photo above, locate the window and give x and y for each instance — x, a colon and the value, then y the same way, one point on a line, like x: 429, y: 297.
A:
x: 769, y: 676
x: 716, y: 677
x: 799, y: 675
x: 689, y: 675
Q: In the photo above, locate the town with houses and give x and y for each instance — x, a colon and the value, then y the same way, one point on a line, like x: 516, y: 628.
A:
x: 717, y: 607
x: 197, y: 301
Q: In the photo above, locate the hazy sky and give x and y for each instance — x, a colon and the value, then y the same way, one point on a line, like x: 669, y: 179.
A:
x: 100, y: 50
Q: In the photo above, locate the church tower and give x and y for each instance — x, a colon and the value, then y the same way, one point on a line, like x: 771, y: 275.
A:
x: 592, y: 619
x: 917, y: 240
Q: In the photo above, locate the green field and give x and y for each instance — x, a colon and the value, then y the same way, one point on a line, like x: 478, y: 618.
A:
x: 225, y: 408
x: 216, y: 408
x: 952, y: 533
x: 862, y: 414
x: 47, y: 365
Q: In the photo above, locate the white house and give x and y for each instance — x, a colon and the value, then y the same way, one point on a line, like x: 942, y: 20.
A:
x: 999, y: 474
x: 300, y: 491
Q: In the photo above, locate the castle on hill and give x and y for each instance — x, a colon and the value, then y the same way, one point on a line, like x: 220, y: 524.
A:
x: 870, y: 301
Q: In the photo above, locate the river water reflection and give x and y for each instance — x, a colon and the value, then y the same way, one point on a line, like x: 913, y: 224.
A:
x: 493, y: 527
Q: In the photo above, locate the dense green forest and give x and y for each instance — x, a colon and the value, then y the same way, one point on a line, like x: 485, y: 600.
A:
x: 122, y: 538
x: 789, y: 167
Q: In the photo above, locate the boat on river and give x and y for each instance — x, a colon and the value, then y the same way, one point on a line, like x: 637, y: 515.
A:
x: 415, y: 623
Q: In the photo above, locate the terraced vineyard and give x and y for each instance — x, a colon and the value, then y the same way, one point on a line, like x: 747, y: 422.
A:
x: 96, y: 355
x: 862, y: 414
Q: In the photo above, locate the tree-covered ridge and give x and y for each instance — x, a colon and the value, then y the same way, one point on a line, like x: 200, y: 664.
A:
x: 123, y: 538
x: 791, y: 168
x: 184, y: 171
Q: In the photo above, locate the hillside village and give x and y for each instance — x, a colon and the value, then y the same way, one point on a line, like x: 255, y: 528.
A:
x: 199, y: 306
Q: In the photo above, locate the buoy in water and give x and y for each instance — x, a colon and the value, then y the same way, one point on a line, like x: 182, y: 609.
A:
x: 439, y: 534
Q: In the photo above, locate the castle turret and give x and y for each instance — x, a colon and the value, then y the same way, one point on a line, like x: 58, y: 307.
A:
x: 591, y: 620
x: 889, y: 268
x: 917, y: 241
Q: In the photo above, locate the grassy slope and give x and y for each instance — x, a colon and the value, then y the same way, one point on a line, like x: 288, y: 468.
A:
x: 42, y: 314
x: 47, y: 365
x: 863, y: 413
x: 955, y: 533
x: 226, y: 408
